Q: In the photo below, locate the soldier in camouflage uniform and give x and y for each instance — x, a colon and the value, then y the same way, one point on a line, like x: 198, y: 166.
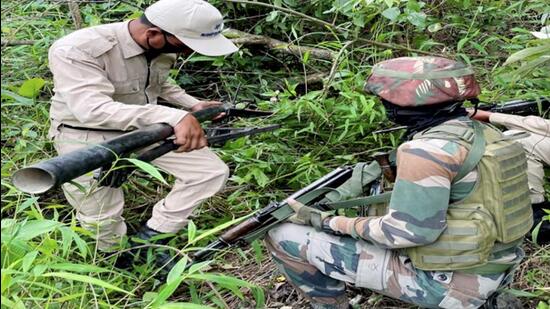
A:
x: 371, y: 252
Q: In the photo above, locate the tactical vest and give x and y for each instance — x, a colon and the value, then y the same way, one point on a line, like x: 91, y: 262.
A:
x: 492, y: 219
x: 495, y: 215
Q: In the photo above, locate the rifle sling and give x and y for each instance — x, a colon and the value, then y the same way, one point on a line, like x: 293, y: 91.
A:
x: 360, y: 201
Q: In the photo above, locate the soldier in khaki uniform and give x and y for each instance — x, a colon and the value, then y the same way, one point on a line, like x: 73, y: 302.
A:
x: 108, y: 79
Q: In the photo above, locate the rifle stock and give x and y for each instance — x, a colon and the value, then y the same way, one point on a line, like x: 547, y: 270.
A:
x: 269, y: 216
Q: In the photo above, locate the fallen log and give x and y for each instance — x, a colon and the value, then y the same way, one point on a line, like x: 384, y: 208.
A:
x: 243, y: 38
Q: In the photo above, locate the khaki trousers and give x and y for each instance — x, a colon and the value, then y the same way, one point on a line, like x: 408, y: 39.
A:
x: 199, y: 174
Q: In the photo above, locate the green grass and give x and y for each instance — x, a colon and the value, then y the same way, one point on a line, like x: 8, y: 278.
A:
x: 49, y: 261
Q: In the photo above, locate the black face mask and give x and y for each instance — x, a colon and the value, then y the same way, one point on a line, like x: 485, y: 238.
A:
x: 419, y: 118
x: 168, y: 48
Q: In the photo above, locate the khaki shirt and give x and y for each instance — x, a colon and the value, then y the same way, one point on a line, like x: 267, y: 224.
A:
x: 537, y: 147
x: 103, y: 80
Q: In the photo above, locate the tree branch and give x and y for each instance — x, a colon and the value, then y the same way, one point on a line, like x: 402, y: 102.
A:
x: 243, y: 38
x: 289, y: 11
x: 335, y: 28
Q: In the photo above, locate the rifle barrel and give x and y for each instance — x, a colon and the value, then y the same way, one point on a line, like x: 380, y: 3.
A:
x: 519, y: 107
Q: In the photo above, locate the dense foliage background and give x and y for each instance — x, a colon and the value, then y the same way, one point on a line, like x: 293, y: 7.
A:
x: 312, y: 76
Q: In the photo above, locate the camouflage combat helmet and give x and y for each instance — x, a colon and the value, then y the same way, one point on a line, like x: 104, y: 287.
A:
x: 417, y: 81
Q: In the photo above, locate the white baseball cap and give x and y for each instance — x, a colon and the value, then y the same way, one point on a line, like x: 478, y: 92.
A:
x: 196, y: 23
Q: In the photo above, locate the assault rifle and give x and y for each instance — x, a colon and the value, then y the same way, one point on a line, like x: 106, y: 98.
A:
x: 263, y: 220
x: 538, y: 106
x: 370, y: 177
x: 519, y: 107
x: 51, y: 173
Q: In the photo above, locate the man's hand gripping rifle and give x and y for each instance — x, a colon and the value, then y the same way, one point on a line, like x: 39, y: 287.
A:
x: 51, y: 173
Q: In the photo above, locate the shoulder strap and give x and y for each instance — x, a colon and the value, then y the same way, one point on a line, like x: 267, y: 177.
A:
x: 475, y: 154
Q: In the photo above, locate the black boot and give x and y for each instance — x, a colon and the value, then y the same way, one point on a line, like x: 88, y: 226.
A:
x: 543, y: 237
x: 163, y: 259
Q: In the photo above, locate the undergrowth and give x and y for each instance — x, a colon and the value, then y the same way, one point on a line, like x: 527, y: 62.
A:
x: 49, y: 261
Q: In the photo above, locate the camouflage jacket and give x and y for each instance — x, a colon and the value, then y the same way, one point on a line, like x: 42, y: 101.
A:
x: 420, y: 198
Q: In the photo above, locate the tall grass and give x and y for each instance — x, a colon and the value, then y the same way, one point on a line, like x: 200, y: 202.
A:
x: 49, y: 261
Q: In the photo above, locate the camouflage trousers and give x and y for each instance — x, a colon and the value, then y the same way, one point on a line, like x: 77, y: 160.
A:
x: 319, y: 263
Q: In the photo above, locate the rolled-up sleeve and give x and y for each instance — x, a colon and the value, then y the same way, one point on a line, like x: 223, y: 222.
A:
x: 420, y: 198
x: 533, y: 124
x: 175, y: 95
x: 82, y: 83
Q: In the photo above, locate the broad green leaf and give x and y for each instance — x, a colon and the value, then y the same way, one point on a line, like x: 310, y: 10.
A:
x: 260, y: 177
x: 434, y: 27
x: 148, y: 168
x: 81, y: 244
x: 177, y: 270
x: 27, y: 203
x: 86, y: 279
x: 391, y: 13
x: 8, y: 303
x: 259, y: 296
x: 191, y: 231
x: 66, y: 238
x: 201, y: 58
x: 166, y: 292
x: 19, y: 100
x: 196, y: 267
x: 80, y: 268
x: 149, y: 297
x: 7, y: 223
x: 418, y: 19
x: 480, y: 48
x: 221, y: 279
x: 520, y: 293
x: 318, y: 110
x: 28, y: 260
x: 535, y: 232
x: 34, y: 228
x: 6, y: 281
x: 184, y: 306
x: 272, y: 16
x: 31, y: 87
x: 39, y: 269
x: 461, y: 43
x: 527, y: 52
x: 305, y: 57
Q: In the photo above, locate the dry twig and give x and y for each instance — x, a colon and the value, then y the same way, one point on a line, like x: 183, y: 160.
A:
x: 5, y: 43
